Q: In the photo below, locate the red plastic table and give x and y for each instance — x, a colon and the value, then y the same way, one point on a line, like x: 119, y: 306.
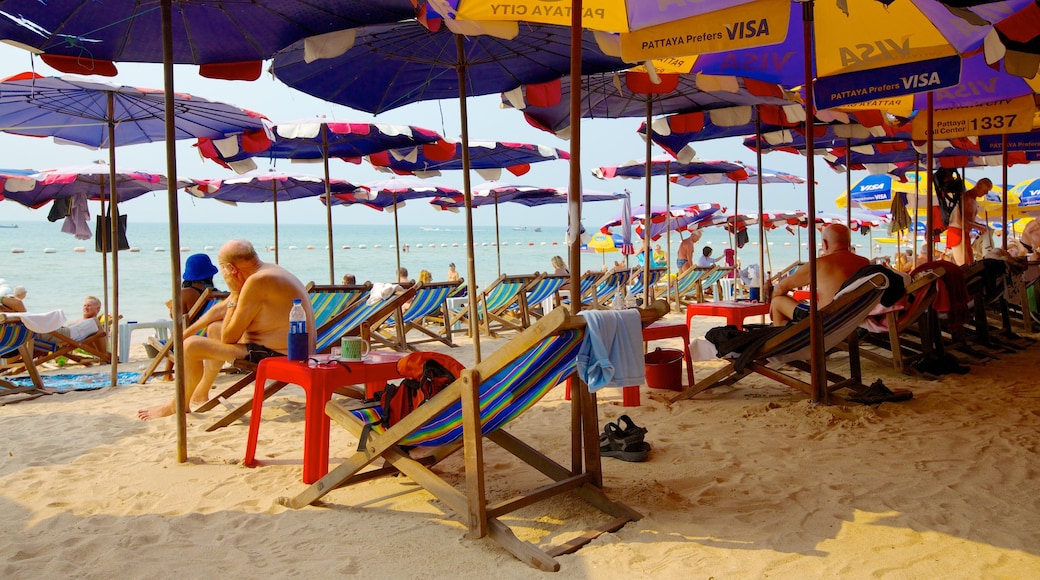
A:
x: 734, y: 312
x: 318, y: 382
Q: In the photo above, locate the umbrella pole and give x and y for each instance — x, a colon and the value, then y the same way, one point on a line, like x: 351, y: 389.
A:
x: 762, y: 241
x: 917, y: 210
x: 1004, y: 196
x: 328, y: 200
x: 668, y: 234
x: 113, y: 321
x: 848, y: 182
x: 397, y: 239
x: 574, y: 177
x: 929, y: 160
x: 648, y: 222
x: 175, y: 241
x: 736, y: 213
x: 274, y: 198
x: 471, y: 264
x: 498, y: 239
x: 818, y: 363
x: 102, y: 196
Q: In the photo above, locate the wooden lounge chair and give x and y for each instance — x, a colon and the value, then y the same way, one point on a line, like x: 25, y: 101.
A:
x: 687, y: 284
x: 494, y: 302
x: 637, y: 288
x: 477, y: 406
x: 392, y: 330
x: 346, y: 323
x: 602, y: 294
x: 920, y: 295
x: 208, y: 299
x: 54, y: 345
x: 540, y: 290
x: 790, y: 345
x: 711, y: 280
x: 16, y: 339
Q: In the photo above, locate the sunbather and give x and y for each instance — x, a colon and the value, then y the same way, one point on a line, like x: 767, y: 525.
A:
x: 252, y: 324
x: 835, y: 265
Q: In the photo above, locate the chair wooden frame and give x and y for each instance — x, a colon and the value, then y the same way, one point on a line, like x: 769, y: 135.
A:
x: 16, y: 338
x: 840, y: 321
x: 429, y: 298
x: 494, y: 301
x: 602, y: 292
x: 537, y: 291
x: 920, y: 295
x: 208, y: 299
x: 584, y: 478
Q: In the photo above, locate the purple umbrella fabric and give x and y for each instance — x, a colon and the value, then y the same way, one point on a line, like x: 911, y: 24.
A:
x: 392, y: 193
x: 92, y: 181
x: 682, y: 217
x: 264, y: 186
x: 767, y: 176
x: 669, y: 166
x: 382, y: 67
x: 488, y: 158
x: 230, y: 33
x: 302, y: 140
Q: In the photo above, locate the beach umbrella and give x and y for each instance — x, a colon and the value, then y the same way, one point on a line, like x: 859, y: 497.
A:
x: 378, y: 68
x: 676, y: 218
x: 265, y: 186
x: 874, y: 193
x: 391, y: 195
x: 100, y: 114
x: 1027, y: 196
x: 603, y: 244
x: 38, y: 188
x: 487, y: 158
x: 319, y: 140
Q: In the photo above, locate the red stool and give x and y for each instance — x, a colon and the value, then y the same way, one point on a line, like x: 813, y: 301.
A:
x: 656, y: 331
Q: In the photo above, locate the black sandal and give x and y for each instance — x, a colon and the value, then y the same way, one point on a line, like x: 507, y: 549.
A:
x: 612, y: 444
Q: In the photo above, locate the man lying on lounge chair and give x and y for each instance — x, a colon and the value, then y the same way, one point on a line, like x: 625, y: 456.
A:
x: 85, y: 328
x: 836, y: 264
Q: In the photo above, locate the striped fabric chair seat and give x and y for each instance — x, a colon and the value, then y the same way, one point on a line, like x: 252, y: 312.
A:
x: 429, y: 299
x: 637, y: 288
x: 607, y: 288
x: 14, y: 342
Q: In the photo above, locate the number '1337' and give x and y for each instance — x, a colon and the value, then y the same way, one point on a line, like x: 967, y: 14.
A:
x: 995, y: 122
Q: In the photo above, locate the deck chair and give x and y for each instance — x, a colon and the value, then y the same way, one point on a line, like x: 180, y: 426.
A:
x: 50, y: 346
x: 540, y: 290
x: 208, y: 299
x: 920, y: 295
x: 687, y: 284
x: 476, y: 406
x: 494, y: 303
x: 790, y: 345
x: 637, y: 287
x: 16, y: 339
x: 392, y: 330
x: 346, y: 323
x: 600, y: 296
x: 711, y: 280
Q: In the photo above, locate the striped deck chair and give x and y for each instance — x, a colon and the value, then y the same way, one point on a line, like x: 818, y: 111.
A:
x: 345, y: 323
x: 711, y: 280
x: 538, y: 291
x: 50, y: 346
x: 494, y: 302
x: 16, y: 339
x: 686, y: 284
x: 392, y: 330
x: 208, y: 299
x: 920, y: 295
x: 476, y: 406
x: 637, y: 288
x: 790, y: 345
x: 600, y: 296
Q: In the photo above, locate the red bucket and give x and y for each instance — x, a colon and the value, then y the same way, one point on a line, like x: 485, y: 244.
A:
x: 664, y: 369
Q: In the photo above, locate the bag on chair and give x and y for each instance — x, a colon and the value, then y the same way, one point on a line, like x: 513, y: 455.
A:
x: 425, y: 374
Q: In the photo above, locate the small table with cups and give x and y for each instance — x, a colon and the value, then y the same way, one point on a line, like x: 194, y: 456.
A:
x: 320, y: 377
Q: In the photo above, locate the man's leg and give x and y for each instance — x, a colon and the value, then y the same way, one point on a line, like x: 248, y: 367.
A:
x: 203, y: 357
x: 781, y: 310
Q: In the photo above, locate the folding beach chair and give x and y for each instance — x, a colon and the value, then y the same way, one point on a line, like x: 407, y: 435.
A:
x: 790, y: 345
x: 638, y: 289
x: 392, y: 330
x: 687, y: 284
x: 539, y: 292
x: 711, y: 280
x: 600, y: 296
x: 16, y: 339
x: 494, y: 302
x: 208, y: 299
x: 476, y: 406
x: 345, y: 323
x: 53, y: 345
x: 919, y: 297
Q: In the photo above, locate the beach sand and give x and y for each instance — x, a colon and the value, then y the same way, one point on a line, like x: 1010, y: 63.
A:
x: 748, y: 481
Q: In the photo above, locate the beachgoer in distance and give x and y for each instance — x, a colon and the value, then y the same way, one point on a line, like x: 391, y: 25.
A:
x: 453, y: 275
x: 969, y: 208
x: 349, y: 280
x: 252, y: 323
x: 836, y: 264
x: 705, y: 260
x: 402, y: 277
x: 559, y: 266
x: 1030, y: 237
x: 425, y: 276
x: 684, y: 259
x: 9, y: 299
x: 658, y: 257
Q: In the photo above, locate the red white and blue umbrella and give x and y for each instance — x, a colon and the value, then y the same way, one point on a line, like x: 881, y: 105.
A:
x: 678, y: 218
x: 90, y: 181
x: 488, y: 158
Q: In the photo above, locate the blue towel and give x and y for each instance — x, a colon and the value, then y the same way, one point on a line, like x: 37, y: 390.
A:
x: 611, y: 354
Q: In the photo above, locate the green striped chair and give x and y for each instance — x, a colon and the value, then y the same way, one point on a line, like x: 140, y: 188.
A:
x: 347, y: 322
x: 476, y: 406
x: 790, y: 345
x: 17, y: 341
x: 494, y: 302
x: 430, y: 298
x: 637, y: 288
x: 711, y: 280
x: 687, y: 283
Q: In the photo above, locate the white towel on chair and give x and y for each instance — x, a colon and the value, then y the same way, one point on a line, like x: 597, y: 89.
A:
x: 40, y: 322
x: 381, y: 291
x: 611, y: 354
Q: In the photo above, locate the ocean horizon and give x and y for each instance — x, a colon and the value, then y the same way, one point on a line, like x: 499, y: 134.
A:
x: 59, y: 270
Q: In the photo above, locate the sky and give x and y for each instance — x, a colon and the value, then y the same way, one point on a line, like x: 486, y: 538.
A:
x: 604, y: 142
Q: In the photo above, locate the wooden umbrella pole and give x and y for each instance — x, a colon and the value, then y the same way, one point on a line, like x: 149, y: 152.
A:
x: 498, y: 239
x: 113, y: 209
x: 673, y: 285
x: 328, y: 200
x: 649, y: 214
x: 397, y: 239
x: 929, y: 161
x: 1004, y: 198
x: 848, y: 182
x: 180, y: 405
x: 762, y: 248
x: 736, y: 213
x: 467, y: 191
x: 102, y: 196
x: 818, y: 362
x: 274, y: 198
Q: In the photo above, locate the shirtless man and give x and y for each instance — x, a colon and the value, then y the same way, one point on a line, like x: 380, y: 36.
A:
x: 836, y: 264
x: 252, y: 323
x: 684, y: 256
x: 966, y: 212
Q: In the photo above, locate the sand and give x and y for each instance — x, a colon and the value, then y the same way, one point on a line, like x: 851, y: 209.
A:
x: 749, y: 481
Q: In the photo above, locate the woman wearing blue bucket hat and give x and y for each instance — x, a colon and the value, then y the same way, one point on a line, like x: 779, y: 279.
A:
x: 198, y: 276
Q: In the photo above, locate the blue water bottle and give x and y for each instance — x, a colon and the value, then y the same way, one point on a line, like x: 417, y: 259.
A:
x: 299, y: 344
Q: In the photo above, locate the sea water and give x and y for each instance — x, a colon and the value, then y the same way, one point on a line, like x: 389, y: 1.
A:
x: 59, y: 271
